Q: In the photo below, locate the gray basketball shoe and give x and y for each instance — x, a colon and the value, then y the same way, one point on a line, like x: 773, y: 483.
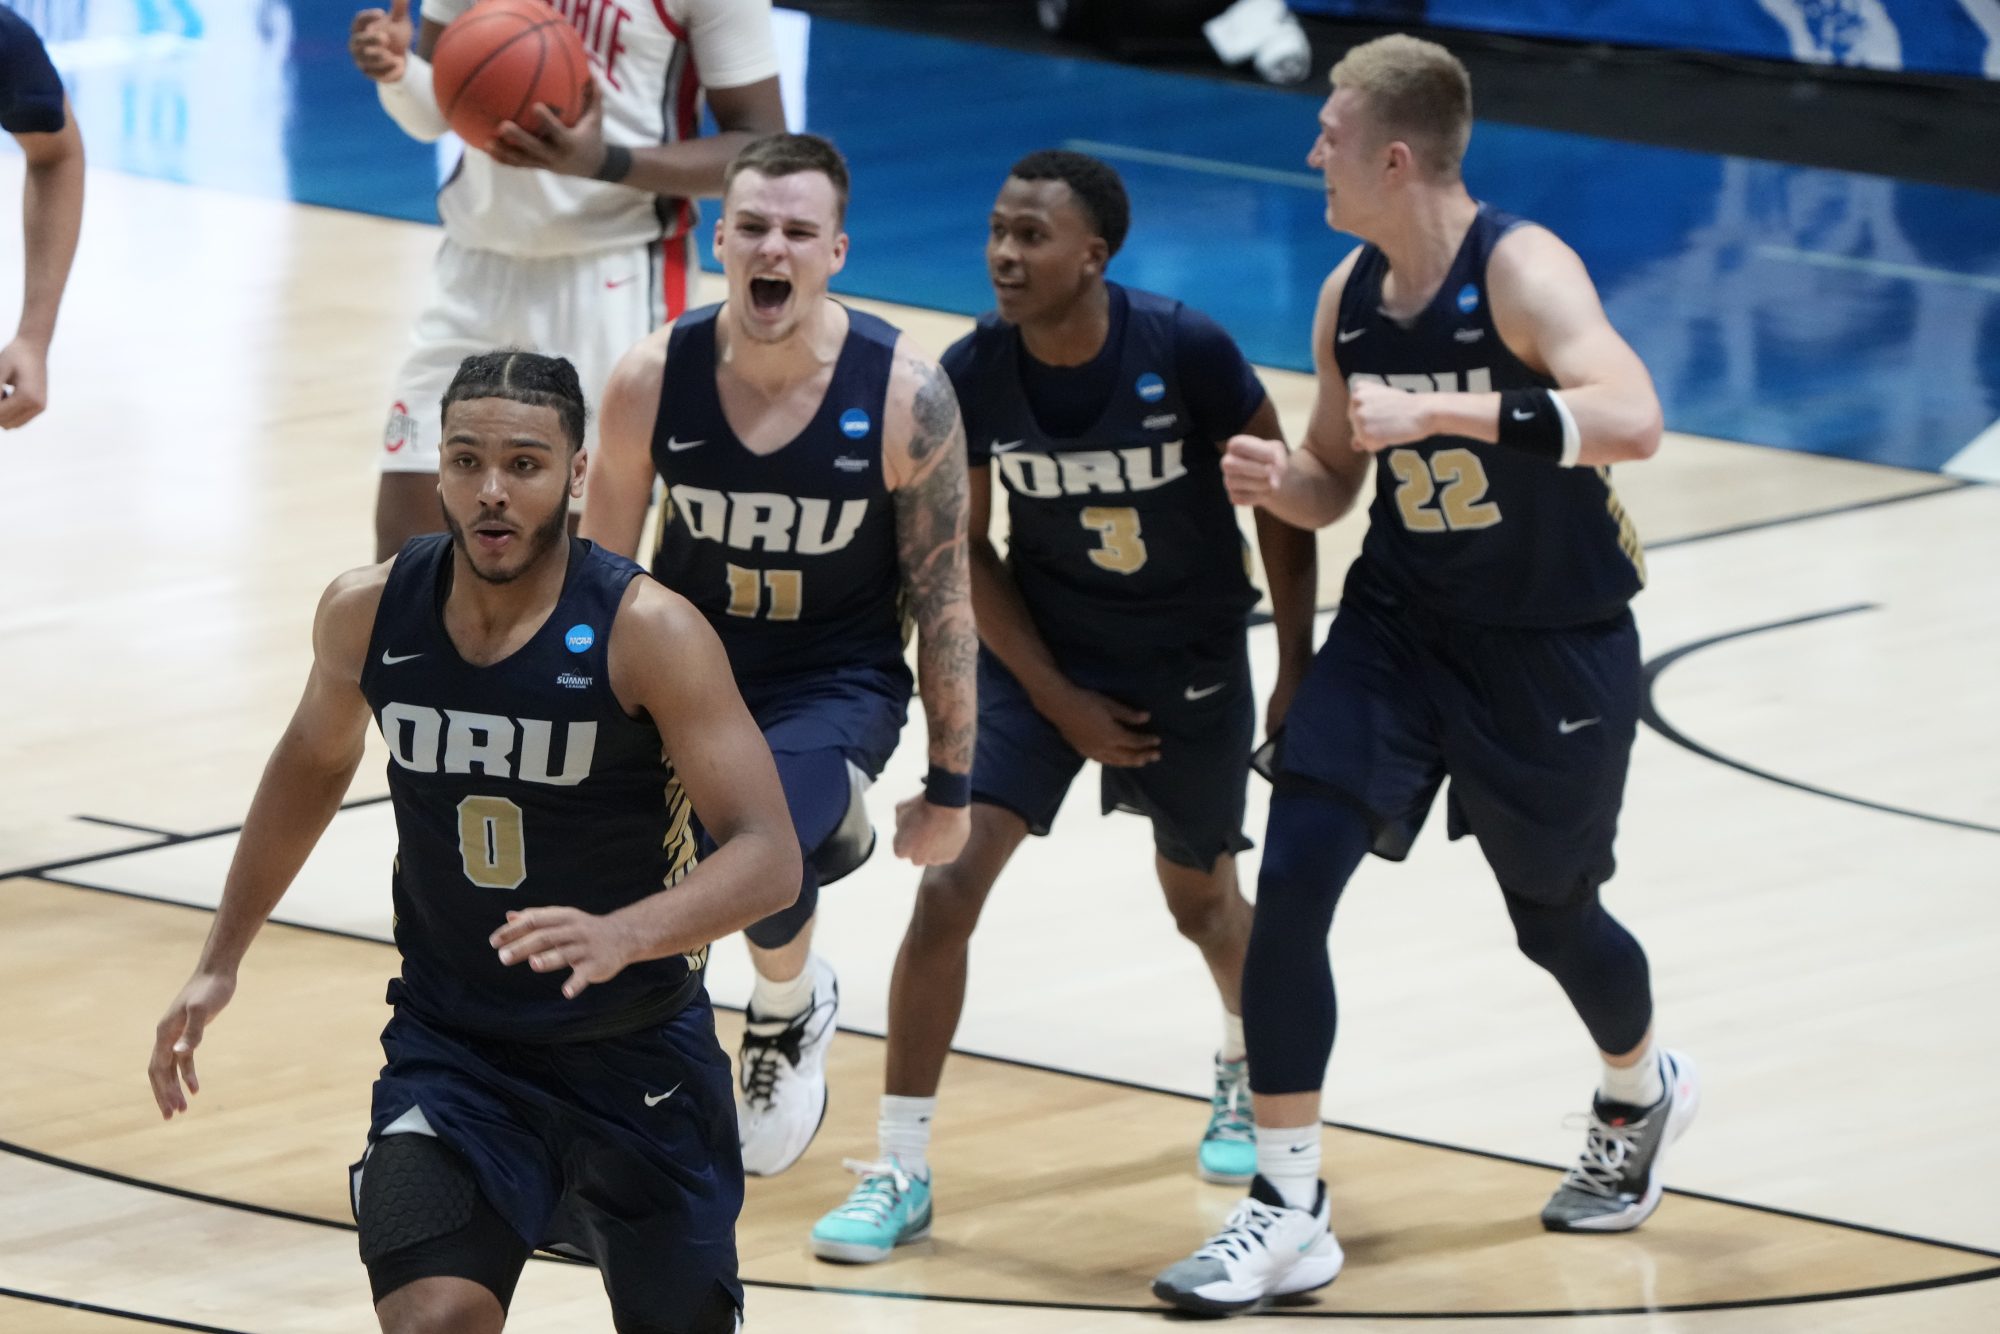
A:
x: 1615, y: 1185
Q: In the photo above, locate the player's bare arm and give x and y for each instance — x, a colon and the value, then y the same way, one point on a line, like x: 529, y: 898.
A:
x: 304, y: 780
x: 621, y: 465
x: 667, y: 665
x: 1291, y: 570
x: 1096, y: 726
x: 1316, y: 484
x: 1547, y: 311
x: 923, y: 449
x: 51, y: 219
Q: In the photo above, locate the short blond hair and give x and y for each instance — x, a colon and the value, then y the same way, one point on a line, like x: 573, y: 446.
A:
x: 1418, y: 92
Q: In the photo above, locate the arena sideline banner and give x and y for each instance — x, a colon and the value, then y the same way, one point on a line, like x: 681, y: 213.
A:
x: 1918, y: 36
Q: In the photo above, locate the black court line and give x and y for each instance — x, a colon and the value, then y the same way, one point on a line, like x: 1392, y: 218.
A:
x: 1853, y: 507
x: 1650, y: 714
x: 112, y: 1311
x: 1261, y: 617
x: 1020, y: 1063
x: 1950, y: 1280
x: 1028, y: 1303
x: 127, y: 824
x: 143, y: 897
x: 41, y: 870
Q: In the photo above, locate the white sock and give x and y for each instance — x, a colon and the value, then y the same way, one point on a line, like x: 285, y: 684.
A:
x: 782, y: 1000
x: 1289, y: 1160
x: 903, y: 1131
x: 1640, y: 1084
x: 1232, y: 1036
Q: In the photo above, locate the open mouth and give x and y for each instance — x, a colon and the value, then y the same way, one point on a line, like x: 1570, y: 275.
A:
x: 769, y: 295
x: 493, y: 536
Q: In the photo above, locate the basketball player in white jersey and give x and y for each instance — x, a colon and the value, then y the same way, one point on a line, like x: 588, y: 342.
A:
x: 573, y: 241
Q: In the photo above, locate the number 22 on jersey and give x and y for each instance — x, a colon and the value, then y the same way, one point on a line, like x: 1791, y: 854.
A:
x: 1454, y: 478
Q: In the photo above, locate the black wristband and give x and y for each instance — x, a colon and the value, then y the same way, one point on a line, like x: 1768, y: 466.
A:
x: 942, y: 787
x: 1531, y: 423
x: 617, y: 164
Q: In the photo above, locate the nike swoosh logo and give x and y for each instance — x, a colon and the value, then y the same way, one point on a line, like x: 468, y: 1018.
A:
x: 1001, y: 448
x: 388, y: 661
x: 1521, y: 416
x: 655, y: 1099
x: 1566, y: 726
x: 1191, y: 694
x: 1348, y: 335
x: 1299, y: 1148
x: 676, y: 446
x: 617, y: 282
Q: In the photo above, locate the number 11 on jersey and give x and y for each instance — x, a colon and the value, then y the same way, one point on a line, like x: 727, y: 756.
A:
x: 747, y: 590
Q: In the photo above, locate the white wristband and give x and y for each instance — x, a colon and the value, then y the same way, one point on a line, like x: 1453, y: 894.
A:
x: 1572, y: 438
x: 411, y: 103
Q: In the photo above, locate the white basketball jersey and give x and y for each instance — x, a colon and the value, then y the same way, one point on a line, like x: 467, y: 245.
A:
x: 651, y: 58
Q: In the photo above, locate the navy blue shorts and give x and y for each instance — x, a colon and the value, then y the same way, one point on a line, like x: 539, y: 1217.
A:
x: 623, y: 1148
x: 817, y: 724
x: 1202, y: 711
x: 1534, y: 728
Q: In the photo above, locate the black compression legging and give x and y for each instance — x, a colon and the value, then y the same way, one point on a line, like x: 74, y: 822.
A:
x: 1311, y: 847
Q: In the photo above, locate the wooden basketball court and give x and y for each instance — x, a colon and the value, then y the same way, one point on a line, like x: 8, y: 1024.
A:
x: 1811, y: 866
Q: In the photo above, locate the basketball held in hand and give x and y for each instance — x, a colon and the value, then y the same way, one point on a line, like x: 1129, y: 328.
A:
x: 495, y: 61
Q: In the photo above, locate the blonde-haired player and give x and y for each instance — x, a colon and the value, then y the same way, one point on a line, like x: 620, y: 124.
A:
x: 1483, y: 634
x: 571, y: 241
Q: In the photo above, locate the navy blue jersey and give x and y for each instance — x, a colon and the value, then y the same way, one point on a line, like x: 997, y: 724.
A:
x: 791, y: 555
x: 1121, y: 537
x: 517, y: 785
x: 1471, y: 530
x: 31, y: 96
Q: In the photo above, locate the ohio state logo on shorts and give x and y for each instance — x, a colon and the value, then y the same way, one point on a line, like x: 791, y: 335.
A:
x: 402, y: 427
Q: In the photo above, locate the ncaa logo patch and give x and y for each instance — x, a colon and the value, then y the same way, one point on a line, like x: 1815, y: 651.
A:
x: 579, y: 638
x: 1468, y: 298
x: 1151, y: 387
x: 854, y: 423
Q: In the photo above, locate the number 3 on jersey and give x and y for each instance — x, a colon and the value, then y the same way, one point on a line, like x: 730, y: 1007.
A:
x: 1122, y: 549
x: 1455, y: 478
x: 491, y: 843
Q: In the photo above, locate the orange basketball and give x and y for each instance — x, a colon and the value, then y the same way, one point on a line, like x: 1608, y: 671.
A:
x: 498, y: 59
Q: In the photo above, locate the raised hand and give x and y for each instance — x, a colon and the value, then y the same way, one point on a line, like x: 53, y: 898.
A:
x: 1253, y: 468
x: 1382, y: 417
x: 380, y: 42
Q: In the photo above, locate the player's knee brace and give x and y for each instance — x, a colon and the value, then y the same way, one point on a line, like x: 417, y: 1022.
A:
x: 714, y: 1313
x: 422, y: 1215
x: 851, y: 841
x: 782, y: 927
x: 1598, y: 964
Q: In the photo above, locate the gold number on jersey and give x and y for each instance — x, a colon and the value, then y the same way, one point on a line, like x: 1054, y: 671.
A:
x: 1463, y: 500
x: 746, y: 588
x: 490, y: 842
x: 1123, y: 551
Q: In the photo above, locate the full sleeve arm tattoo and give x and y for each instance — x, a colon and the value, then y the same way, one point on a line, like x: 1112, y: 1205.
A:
x: 931, y: 546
